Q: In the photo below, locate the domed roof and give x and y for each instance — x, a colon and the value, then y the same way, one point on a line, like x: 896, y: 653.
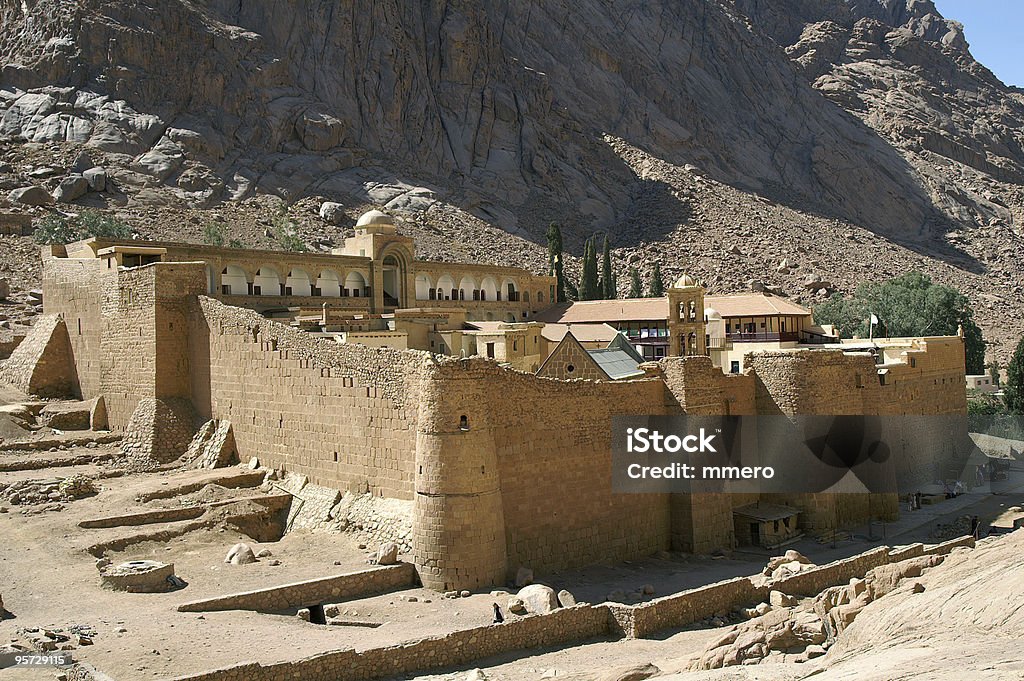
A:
x: 685, y: 281
x: 711, y: 314
x: 374, y: 217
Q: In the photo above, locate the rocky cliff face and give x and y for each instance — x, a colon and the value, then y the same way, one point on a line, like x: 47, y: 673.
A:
x: 870, y: 113
x: 504, y: 104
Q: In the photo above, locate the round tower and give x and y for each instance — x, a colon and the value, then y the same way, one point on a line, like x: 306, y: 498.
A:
x: 458, y: 522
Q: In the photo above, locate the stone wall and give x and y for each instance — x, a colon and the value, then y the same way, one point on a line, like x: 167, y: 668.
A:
x: 343, y: 415
x: 353, y: 585
x: 42, y: 364
x: 684, y: 608
x: 525, y: 447
x: 565, y: 625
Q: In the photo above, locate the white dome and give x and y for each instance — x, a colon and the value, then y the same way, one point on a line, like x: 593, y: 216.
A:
x: 374, y: 217
x: 712, y: 315
x: 685, y: 281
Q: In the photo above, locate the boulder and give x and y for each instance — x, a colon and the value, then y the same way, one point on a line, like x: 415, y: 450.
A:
x: 97, y: 179
x: 31, y: 196
x: 566, y: 599
x: 777, y: 599
x: 67, y: 415
x: 516, y: 606
x: 71, y: 188
x: 524, y: 577
x: 539, y: 599
x: 387, y: 554
x: 264, y: 553
x: 333, y: 213
x: 240, y: 554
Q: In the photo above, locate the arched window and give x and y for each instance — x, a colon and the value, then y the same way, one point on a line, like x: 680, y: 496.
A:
x: 355, y: 285
x: 488, y: 289
x: 233, y: 281
x: 467, y: 287
x: 297, y: 283
x: 424, y: 286
x: 267, y: 282
x: 446, y: 288
x: 540, y: 296
x: 329, y: 284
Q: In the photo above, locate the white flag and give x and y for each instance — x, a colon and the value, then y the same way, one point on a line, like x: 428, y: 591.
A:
x: 874, y: 319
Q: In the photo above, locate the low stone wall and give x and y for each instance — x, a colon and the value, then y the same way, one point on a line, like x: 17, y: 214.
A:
x: 565, y: 625
x: 301, y: 594
x: 814, y: 581
x: 687, y: 607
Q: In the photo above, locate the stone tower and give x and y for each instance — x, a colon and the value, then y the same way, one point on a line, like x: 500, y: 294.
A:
x: 686, y: 318
x: 458, y: 521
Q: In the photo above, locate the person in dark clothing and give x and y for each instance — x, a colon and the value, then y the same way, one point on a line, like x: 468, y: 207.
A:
x: 498, y: 617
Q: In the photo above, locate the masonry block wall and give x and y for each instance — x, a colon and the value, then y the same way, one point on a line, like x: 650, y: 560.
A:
x: 344, y: 415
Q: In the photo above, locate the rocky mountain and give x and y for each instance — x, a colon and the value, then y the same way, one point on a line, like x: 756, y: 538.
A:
x: 822, y: 133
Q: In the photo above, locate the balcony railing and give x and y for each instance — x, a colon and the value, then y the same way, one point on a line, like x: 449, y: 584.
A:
x: 745, y: 337
x: 811, y: 338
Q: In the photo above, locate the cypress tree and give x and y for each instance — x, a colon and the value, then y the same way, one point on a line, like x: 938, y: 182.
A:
x: 608, y: 287
x: 636, y: 289
x: 657, y: 285
x: 588, y: 278
x: 1013, y: 392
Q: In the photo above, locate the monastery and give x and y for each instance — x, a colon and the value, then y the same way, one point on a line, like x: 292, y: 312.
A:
x: 466, y: 390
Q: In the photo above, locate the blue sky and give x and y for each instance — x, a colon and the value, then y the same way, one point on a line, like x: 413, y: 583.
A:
x: 993, y: 28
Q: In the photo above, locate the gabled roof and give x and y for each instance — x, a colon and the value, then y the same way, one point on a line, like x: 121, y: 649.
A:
x: 620, y: 342
x: 596, y: 311
x: 754, y: 305
x: 618, y: 364
x: 584, y: 333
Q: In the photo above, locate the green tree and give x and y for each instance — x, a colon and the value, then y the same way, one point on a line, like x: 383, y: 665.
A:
x: 555, y: 264
x: 589, y: 284
x: 56, y: 229
x: 213, y: 234
x: 1013, y: 391
x: 285, y: 233
x: 635, y: 287
x: 609, y: 287
x: 64, y: 229
x: 908, y: 305
x: 993, y: 372
x: 657, y: 288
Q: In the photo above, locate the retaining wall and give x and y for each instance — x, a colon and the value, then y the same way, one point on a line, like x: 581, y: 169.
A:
x: 301, y: 594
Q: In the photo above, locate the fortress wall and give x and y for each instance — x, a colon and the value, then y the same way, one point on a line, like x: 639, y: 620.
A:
x: 344, y: 415
x: 115, y: 319
x: 536, y: 455
x: 72, y: 289
x: 553, y: 443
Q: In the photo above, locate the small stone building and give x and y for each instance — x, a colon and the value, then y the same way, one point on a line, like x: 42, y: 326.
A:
x: 766, y: 525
